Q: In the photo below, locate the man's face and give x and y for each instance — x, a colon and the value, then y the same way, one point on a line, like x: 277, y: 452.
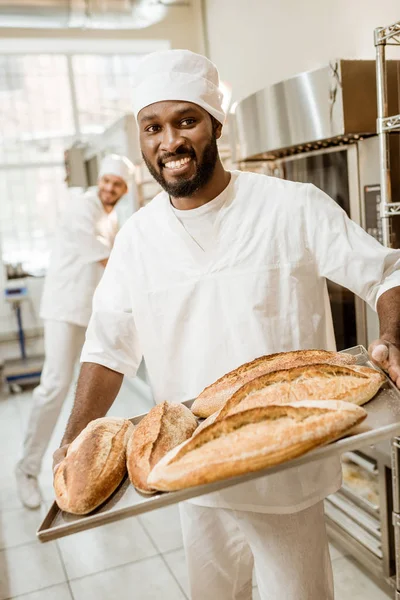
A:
x: 110, y: 189
x: 179, y: 145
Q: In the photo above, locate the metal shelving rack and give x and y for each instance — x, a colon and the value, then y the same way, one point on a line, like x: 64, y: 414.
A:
x: 387, y: 124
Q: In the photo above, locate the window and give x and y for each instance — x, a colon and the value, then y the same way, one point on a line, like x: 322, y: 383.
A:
x: 36, y: 108
x: 103, y: 89
x: 42, y: 112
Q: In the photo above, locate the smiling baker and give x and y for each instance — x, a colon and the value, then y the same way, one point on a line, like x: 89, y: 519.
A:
x: 222, y: 267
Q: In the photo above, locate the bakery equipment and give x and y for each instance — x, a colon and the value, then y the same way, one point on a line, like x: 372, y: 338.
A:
x: 26, y: 369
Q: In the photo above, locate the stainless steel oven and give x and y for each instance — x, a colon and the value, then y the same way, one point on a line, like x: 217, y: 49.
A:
x: 359, y: 515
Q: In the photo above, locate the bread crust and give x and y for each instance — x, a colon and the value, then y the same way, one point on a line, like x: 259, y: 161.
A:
x: 254, y: 439
x: 94, y: 466
x: 316, y: 382
x: 164, y: 427
x: 213, y: 397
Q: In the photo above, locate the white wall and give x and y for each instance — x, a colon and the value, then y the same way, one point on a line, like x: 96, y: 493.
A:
x: 259, y: 42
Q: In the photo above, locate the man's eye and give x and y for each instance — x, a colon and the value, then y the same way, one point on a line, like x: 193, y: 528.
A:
x: 188, y: 122
x: 152, y: 128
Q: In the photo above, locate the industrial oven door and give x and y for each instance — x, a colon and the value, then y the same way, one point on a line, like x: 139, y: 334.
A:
x: 335, y: 171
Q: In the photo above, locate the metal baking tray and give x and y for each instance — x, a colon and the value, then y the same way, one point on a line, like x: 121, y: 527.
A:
x: 383, y: 422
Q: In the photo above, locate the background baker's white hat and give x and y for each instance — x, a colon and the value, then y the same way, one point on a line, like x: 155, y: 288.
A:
x: 114, y: 164
x: 178, y: 75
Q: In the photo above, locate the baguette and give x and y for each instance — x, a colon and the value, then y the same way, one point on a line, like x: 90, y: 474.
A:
x: 94, y: 466
x: 252, y: 440
x: 213, y: 397
x: 163, y: 428
x: 316, y: 382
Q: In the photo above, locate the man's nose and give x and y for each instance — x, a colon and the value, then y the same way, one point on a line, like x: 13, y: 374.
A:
x: 172, y: 139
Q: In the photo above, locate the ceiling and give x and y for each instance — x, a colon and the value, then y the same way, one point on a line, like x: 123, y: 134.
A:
x: 85, y: 14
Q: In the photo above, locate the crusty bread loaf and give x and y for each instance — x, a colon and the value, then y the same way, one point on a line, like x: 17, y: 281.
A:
x: 94, y: 466
x: 163, y: 428
x: 253, y: 439
x: 213, y: 397
x: 316, y: 382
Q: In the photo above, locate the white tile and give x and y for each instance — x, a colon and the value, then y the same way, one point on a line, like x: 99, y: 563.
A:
x: 164, y: 527
x: 176, y: 561
x: 336, y: 551
x: 8, y: 464
x: 144, y: 580
x: 8, y: 495
x: 10, y: 437
x: 353, y: 584
x: 18, y: 527
x: 56, y: 592
x: 29, y: 568
x: 105, y: 547
x: 8, y: 409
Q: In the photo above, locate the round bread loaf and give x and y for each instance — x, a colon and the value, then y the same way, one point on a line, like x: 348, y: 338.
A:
x: 94, y: 466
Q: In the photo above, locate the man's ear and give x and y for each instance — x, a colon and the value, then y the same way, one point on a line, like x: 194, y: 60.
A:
x: 217, y: 126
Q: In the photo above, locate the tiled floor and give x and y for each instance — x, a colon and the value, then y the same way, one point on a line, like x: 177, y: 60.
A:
x: 134, y: 559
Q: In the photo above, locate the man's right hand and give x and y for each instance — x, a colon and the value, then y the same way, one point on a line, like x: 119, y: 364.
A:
x: 58, y: 456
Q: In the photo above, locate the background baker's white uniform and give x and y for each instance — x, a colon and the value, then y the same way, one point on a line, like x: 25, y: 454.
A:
x: 258, y: 286
x: 85, y: 236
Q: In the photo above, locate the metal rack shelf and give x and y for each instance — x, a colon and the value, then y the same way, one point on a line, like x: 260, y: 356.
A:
x: 389, y: 36
x: 389, y: 124
x: 386, y: 124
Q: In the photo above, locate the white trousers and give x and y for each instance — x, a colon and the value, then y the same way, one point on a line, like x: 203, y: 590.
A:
x: 62, y: 343
x: 290, y: 554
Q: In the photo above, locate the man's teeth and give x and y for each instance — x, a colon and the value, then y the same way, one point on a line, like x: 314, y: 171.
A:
x: 176, y: 164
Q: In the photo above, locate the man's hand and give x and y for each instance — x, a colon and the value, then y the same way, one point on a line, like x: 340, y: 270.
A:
x: 387, y: 356
x: 58, y: 456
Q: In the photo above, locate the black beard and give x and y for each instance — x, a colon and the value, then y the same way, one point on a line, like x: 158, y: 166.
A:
x: 184, y: 188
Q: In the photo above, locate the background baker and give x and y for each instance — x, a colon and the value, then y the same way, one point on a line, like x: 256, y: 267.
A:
x: 82, y: 245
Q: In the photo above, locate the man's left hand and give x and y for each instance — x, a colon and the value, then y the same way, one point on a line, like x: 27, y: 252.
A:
x: 387, y: 356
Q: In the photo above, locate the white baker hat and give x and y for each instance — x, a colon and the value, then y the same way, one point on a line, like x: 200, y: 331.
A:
x: 178, y: 75
x: 114, y: 164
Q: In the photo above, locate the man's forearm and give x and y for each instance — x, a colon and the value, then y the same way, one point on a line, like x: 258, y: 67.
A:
x: 96, y: 391
x: 388, y: 309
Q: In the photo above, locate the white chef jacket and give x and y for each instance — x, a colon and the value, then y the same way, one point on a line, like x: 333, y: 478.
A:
x: 84, y: 237
x: 199, y: 222
x: 260, y: 288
